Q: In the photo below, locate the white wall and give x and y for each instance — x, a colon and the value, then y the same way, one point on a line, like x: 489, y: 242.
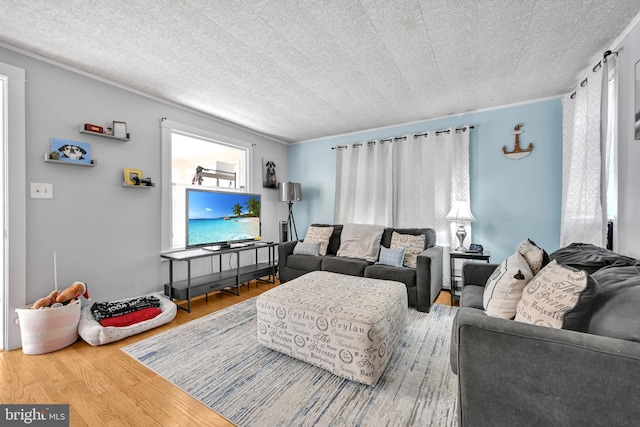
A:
x: 629, y: 155
x: 103, y: 234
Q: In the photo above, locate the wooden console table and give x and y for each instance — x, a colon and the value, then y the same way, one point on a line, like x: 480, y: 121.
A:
x: 224, y: 280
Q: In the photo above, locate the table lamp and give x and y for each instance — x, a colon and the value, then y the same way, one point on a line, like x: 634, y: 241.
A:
x: 460, y: 212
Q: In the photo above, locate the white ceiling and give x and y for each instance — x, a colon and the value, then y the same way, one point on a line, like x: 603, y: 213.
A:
x: 303, y: 69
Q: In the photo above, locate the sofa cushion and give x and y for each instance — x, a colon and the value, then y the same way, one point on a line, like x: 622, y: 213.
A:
x: 350, y: 266
x: 559, y: 296
x: 320, y: 235
x: 414, y: 245
x: 391, y: 257
x: 385, y: 272
x: 334, y: 241
x: 305, y: 262
x: 472, y: 296
x: 589, y: 258
x: 535, y: 256
x: 503, y: 290
x: 429, y: 233
x: 307, y: 248
x: 615, y: 313
x: 360, y: 241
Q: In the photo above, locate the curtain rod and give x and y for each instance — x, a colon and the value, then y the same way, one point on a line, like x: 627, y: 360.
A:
x: 595, y: 68
x: 415, y: 136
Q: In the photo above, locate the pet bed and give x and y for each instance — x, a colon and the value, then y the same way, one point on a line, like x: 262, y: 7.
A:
x: 95, y: 334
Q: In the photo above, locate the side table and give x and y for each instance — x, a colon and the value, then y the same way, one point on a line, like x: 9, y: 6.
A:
x: 456, y: 274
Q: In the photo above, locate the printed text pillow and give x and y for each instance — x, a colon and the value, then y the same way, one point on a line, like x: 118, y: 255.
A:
x: 321, y: 235
x: 413, y: 244
x: 558, y: 296
x: 535, y: 256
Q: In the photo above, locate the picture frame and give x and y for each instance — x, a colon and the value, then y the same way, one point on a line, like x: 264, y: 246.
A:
x: 269, y: 177
x: 120, y: 129
x: 130, y: 176
x: 72, y: 151
x: 637, y: 106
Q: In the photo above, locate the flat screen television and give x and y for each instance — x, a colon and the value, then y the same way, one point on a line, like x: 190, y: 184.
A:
x: 219, y: 218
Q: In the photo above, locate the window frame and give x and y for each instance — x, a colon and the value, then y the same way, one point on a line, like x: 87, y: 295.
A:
x: 168, y: 128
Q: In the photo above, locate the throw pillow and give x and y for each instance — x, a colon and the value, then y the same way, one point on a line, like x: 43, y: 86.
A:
x: 413, y: 243
x: 361, y: 241
x: 321, y: 235
x: 391, y: 257
x: 535, y: 256
x: 558, y: 296
x: 504, y: 288
x: 304, y: 248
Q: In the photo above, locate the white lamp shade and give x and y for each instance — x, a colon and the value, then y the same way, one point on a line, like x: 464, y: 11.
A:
x: 460, y: 211
x: 290, y: 192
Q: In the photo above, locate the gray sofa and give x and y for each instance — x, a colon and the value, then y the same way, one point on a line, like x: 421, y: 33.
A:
x: 511, y: 373
x: 423, y: 282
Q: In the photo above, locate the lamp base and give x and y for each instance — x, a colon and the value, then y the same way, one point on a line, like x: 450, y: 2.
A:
x: 461, y: 234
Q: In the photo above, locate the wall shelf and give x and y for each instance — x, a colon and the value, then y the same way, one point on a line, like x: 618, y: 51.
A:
x: 104, y: 135
x: 62, y: 162
x: 124, y: 184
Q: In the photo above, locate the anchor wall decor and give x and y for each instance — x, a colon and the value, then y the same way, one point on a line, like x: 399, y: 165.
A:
x: 517, y: 152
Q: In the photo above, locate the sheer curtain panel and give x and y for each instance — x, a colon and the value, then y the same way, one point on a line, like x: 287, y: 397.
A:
x: 585, y: 117
x: 364, y: 184
x: 408, y: 181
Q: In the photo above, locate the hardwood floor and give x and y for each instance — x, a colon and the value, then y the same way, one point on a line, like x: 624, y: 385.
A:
x: 105, y: 387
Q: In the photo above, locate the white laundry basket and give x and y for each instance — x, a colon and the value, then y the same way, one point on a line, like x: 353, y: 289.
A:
x: 49, y: 329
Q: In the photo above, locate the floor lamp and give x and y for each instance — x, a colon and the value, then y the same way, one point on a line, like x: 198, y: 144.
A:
x: 290, y: 192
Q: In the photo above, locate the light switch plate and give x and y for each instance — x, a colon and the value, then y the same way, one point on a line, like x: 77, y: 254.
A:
x: 41, y: 190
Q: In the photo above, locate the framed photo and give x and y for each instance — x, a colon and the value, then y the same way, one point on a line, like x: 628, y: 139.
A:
x: 132, y: 176
x: 72, y: 151
x: 120, y: 129
x: 269, y: 179
x: 637, y: 115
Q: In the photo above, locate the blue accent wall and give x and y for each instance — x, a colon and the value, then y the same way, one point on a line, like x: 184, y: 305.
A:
x: 512, y: 200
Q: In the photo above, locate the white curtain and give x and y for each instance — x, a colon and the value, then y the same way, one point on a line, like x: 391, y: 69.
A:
x: 364, y: 184
x: 410, y: 181
x: 586, y: 123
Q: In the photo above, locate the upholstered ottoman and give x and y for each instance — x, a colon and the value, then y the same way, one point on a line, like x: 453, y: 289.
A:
x: 347, y: 325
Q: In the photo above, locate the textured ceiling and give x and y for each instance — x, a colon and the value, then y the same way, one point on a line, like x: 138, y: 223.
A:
x: 297, y: 70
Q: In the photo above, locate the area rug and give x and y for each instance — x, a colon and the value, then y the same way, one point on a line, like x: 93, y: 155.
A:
x: 217, y: 360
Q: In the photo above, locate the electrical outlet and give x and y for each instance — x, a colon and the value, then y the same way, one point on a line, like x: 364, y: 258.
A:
x: 41, y: 191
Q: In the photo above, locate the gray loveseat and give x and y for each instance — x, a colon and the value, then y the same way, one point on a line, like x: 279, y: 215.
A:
x: 423, y: 282
x: 516, y: 374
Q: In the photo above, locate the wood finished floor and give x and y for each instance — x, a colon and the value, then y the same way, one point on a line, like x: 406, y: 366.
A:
x: 105, y: 387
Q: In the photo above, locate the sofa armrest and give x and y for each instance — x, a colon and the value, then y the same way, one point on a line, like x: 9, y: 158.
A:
x: 284, y: 250
x: 511, y: 373
x: 476, y: 273
x: 428, y: 277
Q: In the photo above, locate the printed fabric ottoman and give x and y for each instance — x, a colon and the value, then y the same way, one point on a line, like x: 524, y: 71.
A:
x: 347, y: 325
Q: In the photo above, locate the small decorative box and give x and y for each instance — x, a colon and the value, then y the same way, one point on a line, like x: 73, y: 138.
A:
x: 93, y: 128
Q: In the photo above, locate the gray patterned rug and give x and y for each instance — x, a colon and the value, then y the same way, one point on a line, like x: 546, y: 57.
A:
x: 217, y: 360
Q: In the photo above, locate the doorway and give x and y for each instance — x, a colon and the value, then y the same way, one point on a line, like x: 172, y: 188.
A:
x: 13, y: 199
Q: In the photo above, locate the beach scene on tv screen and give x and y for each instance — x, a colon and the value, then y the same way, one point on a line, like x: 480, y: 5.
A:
x: 222, y: 217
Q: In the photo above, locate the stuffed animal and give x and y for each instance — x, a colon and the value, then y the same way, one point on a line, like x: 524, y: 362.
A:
x: 73, y: 292
x: 46, y: 301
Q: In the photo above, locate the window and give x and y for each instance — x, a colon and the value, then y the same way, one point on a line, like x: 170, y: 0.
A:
x: 197, y: 158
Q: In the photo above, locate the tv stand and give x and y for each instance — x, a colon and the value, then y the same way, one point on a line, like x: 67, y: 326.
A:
x: 225, y: 281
